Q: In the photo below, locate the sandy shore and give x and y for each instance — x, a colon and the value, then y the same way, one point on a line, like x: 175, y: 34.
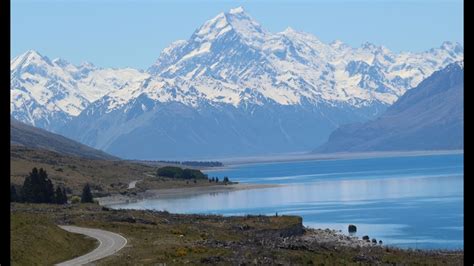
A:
x: 178, y: 193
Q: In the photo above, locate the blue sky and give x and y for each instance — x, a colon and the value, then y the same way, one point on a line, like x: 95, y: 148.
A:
x: 132, y: 33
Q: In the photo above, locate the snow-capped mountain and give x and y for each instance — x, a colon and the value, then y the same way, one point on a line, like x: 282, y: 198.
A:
x: 428, y: 117
x: 49, y: 93
x: 232, y: 86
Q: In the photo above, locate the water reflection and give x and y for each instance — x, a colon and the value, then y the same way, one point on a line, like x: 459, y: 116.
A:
x: 409, y: 202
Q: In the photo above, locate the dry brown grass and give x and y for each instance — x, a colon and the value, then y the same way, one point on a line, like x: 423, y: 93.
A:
x: 104, y: 176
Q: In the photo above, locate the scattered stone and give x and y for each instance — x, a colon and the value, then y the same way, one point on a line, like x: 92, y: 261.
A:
x: 352, y: 228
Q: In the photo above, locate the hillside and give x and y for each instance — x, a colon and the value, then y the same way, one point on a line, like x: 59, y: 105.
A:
x: 33, y: 137
x: 428, y: 117
x: 106, y: 177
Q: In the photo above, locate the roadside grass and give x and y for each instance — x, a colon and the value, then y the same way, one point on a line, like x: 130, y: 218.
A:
x: 36, y: 240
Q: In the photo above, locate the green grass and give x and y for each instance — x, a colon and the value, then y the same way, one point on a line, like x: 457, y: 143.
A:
x: 36, y: 240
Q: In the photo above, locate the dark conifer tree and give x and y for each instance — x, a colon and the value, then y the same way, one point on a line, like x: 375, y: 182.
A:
x: 86, y: 195
x: 46, y: 187
x: 59, y: 196
x: 29, y: 186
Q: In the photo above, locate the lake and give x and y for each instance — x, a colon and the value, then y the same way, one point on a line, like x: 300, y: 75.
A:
x: 413, y: 201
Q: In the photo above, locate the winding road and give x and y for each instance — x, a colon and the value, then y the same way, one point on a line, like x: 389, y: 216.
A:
x: 110, y: 243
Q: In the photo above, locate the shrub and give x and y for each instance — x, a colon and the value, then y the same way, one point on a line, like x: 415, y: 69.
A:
x: 75, y: 199
x: 181, y: 252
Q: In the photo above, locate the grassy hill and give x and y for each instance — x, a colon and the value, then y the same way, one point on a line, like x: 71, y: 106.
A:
x: 36, y: 240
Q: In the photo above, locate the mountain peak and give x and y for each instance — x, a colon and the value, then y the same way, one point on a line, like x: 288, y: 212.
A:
x: 368, y: 46
x: 452, y: 46
x: 234, y: 20
x: 289, y: 30
x: 29, y: 57
x: 32, y: 52
x: 87, y: 64
x: 213, y: 28
x: 338, y: 44
x: 237, y: 10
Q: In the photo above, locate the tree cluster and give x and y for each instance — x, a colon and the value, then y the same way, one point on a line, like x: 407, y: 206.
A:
x: 38, y: 188
x: 176, y: 172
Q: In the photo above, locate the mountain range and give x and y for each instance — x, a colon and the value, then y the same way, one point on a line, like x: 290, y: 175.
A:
x: 428, y: 117
x: 232, y: 88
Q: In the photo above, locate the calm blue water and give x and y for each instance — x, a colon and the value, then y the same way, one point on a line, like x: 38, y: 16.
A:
x: 403, y: 201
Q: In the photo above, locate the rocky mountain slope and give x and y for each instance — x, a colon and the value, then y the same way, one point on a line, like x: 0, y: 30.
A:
x: 428, y: 117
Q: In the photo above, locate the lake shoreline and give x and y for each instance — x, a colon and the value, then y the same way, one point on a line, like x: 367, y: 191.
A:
x: 174, y: 193
x: 350, y: 187
x: 302, y: 157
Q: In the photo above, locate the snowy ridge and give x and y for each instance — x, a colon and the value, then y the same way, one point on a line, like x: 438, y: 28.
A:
x: 231, y: 52
x: 42, y: 89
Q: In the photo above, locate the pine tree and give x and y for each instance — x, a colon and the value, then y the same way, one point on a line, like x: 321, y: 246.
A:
x: 46, y: 187
x: 59, y: 196
x: 29, y: 187
x: 86, y: 195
